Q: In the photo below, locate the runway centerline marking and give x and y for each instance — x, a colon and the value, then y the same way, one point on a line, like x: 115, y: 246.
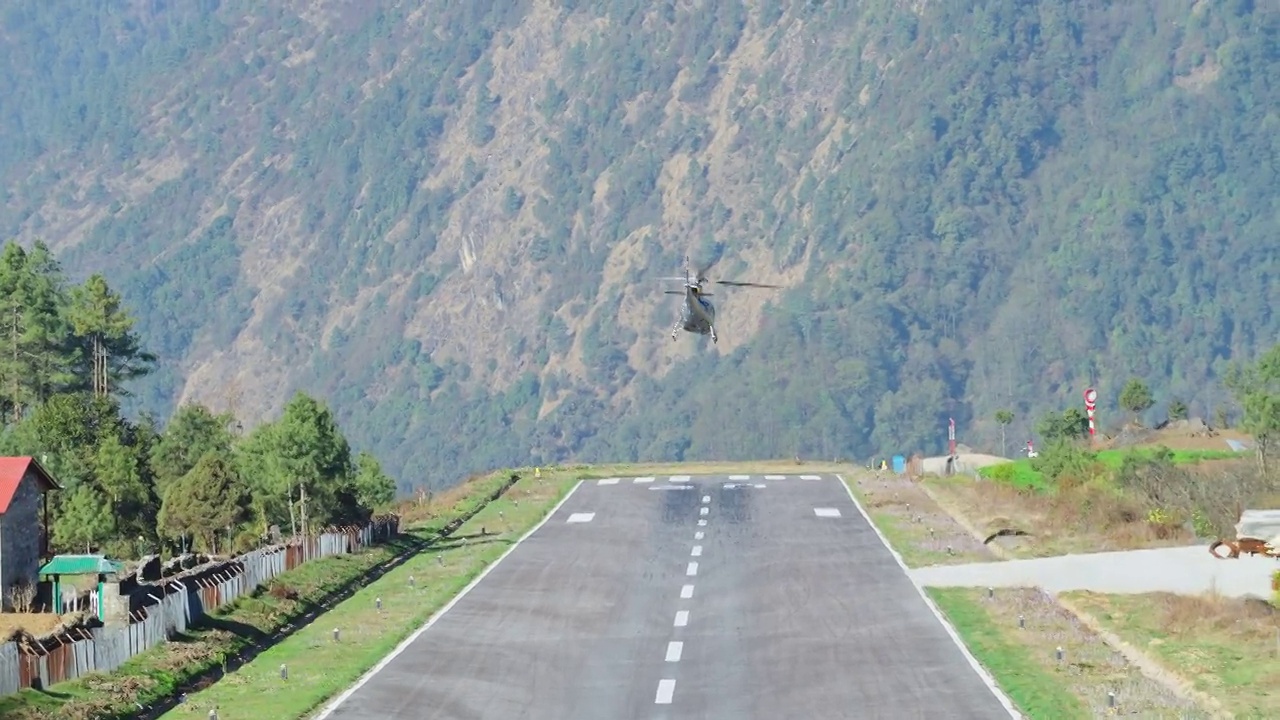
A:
x: 682, y: 618
x: 697, y: 551
x: 675, y: 649
x: 686, y: 592
x: 698, y: 535
x: 581, y: 517
x: 702, y: 523
x: 706, y: 498
x: 827, y: 512
x: 703, y: 511
x: 666, y: 688
x: 692, y: 569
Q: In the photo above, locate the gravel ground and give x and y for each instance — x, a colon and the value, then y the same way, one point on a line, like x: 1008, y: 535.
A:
x: 1090, y: 668
x: 923, y: 533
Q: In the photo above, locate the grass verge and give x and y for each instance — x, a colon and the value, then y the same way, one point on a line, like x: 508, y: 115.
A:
x: 320, y: 667
x: 913, y: 523
x: 238, y: 631
x: 1022, y: 473
x: 1228, y: 648
x: 1024, y: 663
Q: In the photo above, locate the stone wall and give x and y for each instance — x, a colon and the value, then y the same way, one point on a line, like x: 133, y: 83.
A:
x: 20, y: 537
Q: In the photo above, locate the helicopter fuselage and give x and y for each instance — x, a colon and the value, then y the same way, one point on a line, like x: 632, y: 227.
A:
x: 699, y: 314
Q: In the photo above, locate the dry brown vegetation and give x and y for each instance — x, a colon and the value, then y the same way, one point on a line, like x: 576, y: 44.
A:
x: 32, y: 624
x: 1089, y: 667
x: 1228, y: 647
x: 920, y: 530
x: 1074, y: 519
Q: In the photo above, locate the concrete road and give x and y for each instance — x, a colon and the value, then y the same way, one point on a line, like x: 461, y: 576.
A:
x: 705, y: 597
x: 1189, y: 570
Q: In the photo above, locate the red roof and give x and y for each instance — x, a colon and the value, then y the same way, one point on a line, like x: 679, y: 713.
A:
x: 12, y: 470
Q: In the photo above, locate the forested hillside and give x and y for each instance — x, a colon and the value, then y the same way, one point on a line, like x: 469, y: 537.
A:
x: 447, y: 217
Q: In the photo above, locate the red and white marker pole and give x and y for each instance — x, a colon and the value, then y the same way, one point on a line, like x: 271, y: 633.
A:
x: 951, y: 436
x: 1090, y: 404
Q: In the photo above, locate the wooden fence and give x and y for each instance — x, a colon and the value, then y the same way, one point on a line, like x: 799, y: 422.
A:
x: 169, y: 607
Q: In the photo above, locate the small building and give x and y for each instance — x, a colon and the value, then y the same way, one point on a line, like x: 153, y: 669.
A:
x: 24, y: 522
x: 73, y: 574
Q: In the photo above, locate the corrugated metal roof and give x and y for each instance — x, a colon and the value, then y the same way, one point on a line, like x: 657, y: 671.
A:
x: 81, y: 565
x: 12, y: 469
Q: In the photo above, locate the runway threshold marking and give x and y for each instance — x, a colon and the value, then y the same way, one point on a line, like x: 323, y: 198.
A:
x: 698, y: 535
x: 675, y: 649
x: 609, y: 481
x: 692, y: 569
x: 581, y: 517
x: 697, y: 551
x: 739, y: 477
x: 644, y: 479
x: 679, y: 479
x: 682, y: 618
x: 686, y: 592
x: 827, y: 512
x: 810, y: 477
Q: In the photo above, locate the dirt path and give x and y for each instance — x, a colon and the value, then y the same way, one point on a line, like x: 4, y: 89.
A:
x: 1182, y: 570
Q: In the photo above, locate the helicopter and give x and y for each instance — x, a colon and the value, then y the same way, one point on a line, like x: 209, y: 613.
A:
x: 698, y: 315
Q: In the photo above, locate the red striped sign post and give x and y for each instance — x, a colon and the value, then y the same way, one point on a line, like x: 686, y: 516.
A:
x: 1090, y: 403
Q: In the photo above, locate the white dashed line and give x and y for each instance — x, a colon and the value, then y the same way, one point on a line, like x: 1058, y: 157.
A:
x: 704, y: 511
x: 697, y: 551
x: 739, y: 477
x: 581, y: 517
x: 706, y: 498
x: 675, y: 649
x: 666, y: 688
x: 810, y: 477
x: 699, y: 535
x: 827, y: 512
x: 679, y: 478
x: 637, y: 481
x: 702, y: 523
x: 759, y: 485
x: 692, y: 569
x: 775, y: 477
x: 671, y: 487
x: 686, y: 592
x: 682, y: 618
x: 609, y: 481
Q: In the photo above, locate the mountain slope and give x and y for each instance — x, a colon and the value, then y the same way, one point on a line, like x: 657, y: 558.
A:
x: 447, y: 218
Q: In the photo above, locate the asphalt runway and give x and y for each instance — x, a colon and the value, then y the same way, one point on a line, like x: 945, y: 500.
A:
x: 708, y: 597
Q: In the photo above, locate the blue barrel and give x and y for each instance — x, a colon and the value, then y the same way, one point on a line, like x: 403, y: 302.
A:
x: 899, y: 464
